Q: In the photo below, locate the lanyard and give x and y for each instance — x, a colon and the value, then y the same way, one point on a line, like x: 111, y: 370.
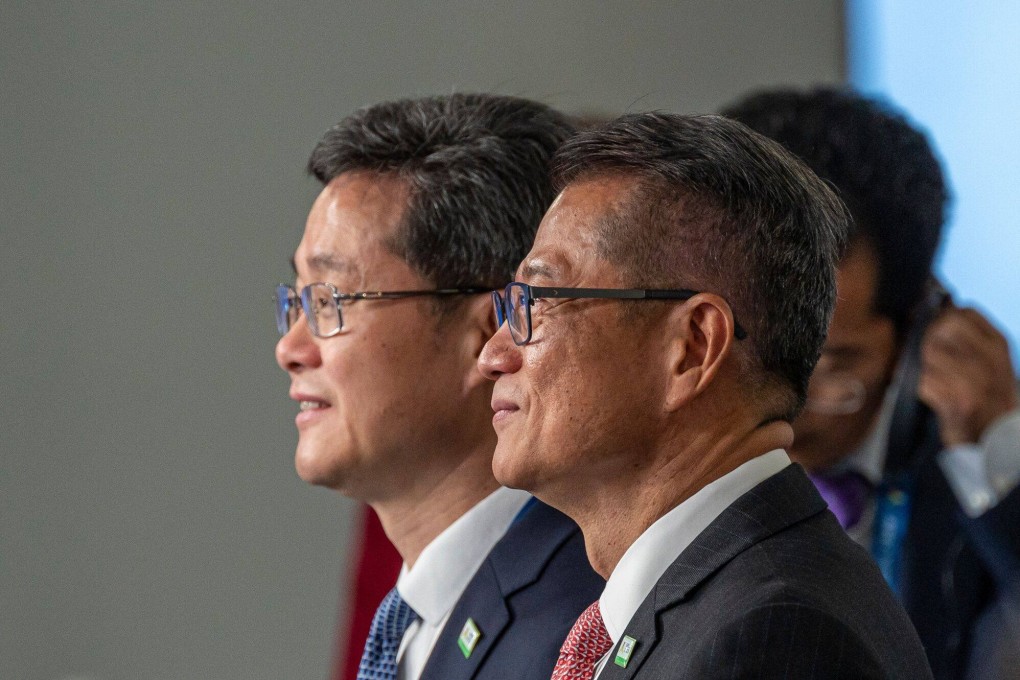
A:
x: 892, y: 514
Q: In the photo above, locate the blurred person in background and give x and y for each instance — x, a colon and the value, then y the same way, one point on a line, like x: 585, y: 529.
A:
x: 911, y: 430
x: 429, y: 204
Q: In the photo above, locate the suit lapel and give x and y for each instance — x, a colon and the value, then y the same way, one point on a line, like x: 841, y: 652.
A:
x: 644, y: 631
x: 484, y: 603
x: 780, y: 501
x: 537, y: 535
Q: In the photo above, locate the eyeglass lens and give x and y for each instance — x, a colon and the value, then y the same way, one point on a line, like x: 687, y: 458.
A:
x: 319, y: 303
x: 287, y: 308
x: 519, y: 312
x: 835, y: 394
x: 497, y: 304
x: 513, y: 307
x: 321, y: 309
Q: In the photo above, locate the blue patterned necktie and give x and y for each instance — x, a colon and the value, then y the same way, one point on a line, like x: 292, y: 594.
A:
x: 379, y: 661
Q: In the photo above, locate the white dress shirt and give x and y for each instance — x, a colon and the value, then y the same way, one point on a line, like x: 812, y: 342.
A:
x: 984, y: 473
x: 443, y: 570
x: 647, y: 559
x: 980, y: 474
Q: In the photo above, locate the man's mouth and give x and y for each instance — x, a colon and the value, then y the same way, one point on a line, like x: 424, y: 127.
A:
x: 307, y: 405
x: 503, y: 405
x: 503, y: 409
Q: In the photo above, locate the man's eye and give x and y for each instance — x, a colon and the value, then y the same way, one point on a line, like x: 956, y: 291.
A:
x: 835, y: 362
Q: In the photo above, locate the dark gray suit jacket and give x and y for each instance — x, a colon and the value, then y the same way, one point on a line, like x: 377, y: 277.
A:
x: 773, y: 588
x: 524, y: 599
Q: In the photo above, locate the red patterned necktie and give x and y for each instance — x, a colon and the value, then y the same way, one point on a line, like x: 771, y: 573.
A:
x: 587, y: 642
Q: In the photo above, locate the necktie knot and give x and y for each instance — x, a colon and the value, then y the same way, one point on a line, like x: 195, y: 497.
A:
x: 846, y: 494
x: 587, y: 642
x: 391, y: 620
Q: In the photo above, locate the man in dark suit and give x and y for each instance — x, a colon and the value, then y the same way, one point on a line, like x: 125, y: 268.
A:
x: 914, y: 399
x: 428, y: 205
x: 651, y: 401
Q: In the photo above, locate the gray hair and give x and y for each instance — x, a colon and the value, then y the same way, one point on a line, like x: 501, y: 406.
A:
x: 723, y: 209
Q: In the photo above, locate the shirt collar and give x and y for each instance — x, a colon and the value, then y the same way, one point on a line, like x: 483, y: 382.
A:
x: 658, y: 547
x: 868, y: 458
x: 447, y: 564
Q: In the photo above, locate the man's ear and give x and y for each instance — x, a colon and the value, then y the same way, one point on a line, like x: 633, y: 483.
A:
x: 700, y: 334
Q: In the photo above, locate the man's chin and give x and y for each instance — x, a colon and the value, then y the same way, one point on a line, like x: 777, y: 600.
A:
x: 313, y: 477
x: 312, y: 469
x: 507, y: 466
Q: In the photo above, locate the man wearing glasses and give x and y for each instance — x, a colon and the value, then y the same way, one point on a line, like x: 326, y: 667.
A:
x: 427, y: 206
x: 912, y: 425
x: 653, y: 352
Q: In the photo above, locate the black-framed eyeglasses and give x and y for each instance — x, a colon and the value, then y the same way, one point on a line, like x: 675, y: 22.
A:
x: 514, y: 304
x: 321, y: 304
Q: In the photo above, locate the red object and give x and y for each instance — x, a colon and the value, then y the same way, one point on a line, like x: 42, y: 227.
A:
x: 373, y: 576
x: 586, y: 643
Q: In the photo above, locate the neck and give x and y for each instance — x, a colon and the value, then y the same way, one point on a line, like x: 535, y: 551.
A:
x: 415, y: 518
x: 615, y: 515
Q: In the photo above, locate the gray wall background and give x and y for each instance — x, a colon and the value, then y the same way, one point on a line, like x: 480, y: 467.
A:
x: 152, y: 192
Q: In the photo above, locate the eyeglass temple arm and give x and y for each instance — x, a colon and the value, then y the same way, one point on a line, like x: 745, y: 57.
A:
x: 395, y: 294
x: 626, y: 294
x: 614, y: 293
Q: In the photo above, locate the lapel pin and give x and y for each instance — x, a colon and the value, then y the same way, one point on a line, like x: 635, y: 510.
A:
x: 469, y: 636
x: 624, y: 651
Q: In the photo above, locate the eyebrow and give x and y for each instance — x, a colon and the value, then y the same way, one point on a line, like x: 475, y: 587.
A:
x: 539, y: 268
x: 329, y: 262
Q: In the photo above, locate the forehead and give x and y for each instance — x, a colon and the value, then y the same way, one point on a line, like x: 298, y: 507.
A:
x: 351, y: 224
x: 567, y: 241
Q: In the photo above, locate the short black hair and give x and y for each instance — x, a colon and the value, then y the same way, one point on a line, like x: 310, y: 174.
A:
x: 477, y: 167
x: 883, y: 168
x: 721, y: 208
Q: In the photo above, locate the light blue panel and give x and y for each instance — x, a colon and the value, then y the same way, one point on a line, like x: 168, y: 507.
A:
x: 955, y: 68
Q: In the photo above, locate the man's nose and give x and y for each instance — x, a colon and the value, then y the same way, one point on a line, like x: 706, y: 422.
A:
x: 500, y: 355
x: 297, y: 349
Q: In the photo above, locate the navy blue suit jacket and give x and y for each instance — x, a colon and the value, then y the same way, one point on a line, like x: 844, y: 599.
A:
x: 959, y: 573
x: 524, y: 599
